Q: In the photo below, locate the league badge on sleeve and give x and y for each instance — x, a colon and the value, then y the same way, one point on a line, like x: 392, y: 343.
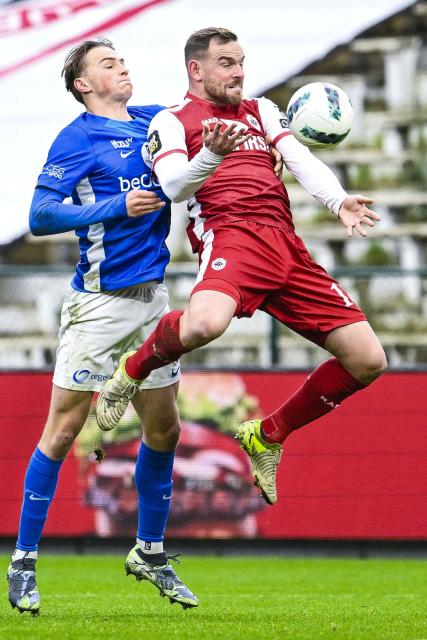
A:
x: 154, y: 143
x: 283, y: 118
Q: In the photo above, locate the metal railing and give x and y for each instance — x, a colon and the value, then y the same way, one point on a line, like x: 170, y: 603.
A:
x: 394, y: 299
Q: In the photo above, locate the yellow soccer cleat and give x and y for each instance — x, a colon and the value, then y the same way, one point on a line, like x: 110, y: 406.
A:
x: 264, y: 458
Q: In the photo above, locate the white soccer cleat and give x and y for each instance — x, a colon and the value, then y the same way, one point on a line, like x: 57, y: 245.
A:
x: 23, y: 592
x: 157, y: 570
x: 115, y: 396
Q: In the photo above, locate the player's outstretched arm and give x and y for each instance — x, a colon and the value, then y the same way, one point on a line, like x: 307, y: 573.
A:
x: 354, y: 213
x: 49, y: 215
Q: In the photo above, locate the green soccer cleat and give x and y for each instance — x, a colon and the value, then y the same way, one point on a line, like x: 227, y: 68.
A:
x: 115, y: 396
x: 23, y: 593
x: 264, y: 458
x: 158, y: 571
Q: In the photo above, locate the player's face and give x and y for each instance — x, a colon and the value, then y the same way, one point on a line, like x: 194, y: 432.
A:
x: 107, y: 75
x: 222, y: 73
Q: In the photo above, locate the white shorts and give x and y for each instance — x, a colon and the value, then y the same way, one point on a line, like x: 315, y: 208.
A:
x: 97, y: 328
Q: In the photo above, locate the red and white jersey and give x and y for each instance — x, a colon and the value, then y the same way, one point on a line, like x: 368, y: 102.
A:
x: 244, y: 184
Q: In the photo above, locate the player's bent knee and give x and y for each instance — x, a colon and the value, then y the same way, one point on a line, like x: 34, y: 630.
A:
x: 375, y: 364
x: 205, y: 329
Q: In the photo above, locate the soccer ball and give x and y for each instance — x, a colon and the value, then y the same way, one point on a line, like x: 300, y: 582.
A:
x: 320, y: 115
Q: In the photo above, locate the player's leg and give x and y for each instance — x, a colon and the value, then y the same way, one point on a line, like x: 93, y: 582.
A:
x: 359, y: 360
x: 358, y: 350
x: 318, y: 308
x: 207, y: 316
x: 83, y: 357
x: 67, y: 415
x: 153, y: 478
x: 213, y: 303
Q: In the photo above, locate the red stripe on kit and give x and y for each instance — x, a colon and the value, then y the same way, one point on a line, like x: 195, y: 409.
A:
x: 168, y: 153
x: 280, y: 136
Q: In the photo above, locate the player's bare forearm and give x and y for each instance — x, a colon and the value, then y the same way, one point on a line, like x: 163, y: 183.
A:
x: 354, y: 213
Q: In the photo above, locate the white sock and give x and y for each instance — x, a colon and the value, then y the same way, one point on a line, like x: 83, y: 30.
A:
x: 150, y: 547
x: 18, y: 554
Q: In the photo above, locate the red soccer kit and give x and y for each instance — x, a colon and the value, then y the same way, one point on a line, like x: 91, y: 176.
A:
x: 240, y: 218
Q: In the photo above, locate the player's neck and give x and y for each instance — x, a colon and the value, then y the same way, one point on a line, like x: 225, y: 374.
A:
x: 113, y: 111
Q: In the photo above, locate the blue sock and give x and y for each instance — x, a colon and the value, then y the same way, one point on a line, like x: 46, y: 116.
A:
x: 39, y: 488
x: 153, y: 479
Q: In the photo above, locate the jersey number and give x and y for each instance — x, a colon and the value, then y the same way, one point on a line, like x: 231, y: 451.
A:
x: 340, y: 292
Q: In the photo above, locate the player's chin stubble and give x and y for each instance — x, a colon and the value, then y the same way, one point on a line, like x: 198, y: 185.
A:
x: 222, y: 94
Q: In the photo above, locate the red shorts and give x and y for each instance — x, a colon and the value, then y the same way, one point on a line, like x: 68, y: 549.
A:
x: 269, y: 268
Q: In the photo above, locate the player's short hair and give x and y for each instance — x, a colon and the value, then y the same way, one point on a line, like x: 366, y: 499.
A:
x: 199, y: 41
x: 75, y: 63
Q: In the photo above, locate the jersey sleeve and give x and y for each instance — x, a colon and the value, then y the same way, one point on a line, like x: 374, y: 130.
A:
x: 315, y: 176
x: 274, y: 121
x: 168, y: 154
x: 70, y: 159
x: 310, y: 172
x: 49, y: 215
x: 166, y: 136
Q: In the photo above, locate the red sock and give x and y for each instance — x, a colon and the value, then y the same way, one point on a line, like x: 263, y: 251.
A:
x: 161, y: 347
x: 323, y: 390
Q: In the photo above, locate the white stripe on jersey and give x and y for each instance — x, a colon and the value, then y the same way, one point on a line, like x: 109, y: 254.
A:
x: 206, y: 254
x: 96, y: 253
x: 194, y: 211
x: 178, y: 107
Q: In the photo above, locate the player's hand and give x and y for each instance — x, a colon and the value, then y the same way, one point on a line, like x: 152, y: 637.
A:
x: 223, y: 142
x: 354, y: 213
x: 278, y: 160
x: 139, y: 202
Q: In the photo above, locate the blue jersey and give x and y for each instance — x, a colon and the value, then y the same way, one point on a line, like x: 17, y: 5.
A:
x: 96, y: 161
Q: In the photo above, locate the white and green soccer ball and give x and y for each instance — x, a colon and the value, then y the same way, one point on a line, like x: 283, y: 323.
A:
x: 320, y: 115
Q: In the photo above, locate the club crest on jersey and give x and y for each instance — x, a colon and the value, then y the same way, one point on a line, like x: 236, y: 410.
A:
x: 145, y: 154
x: 253, y: 122
x: 218, y: 264
x: 154, y: 143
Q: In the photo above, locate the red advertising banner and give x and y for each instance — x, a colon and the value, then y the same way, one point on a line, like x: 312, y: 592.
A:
x: 358, y: 473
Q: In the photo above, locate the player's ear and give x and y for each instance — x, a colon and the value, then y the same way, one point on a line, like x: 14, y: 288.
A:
x: 194, y: 69
x: 82, y: 86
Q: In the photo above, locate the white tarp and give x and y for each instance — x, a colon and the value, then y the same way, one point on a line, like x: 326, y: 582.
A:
x: 279, y: 38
